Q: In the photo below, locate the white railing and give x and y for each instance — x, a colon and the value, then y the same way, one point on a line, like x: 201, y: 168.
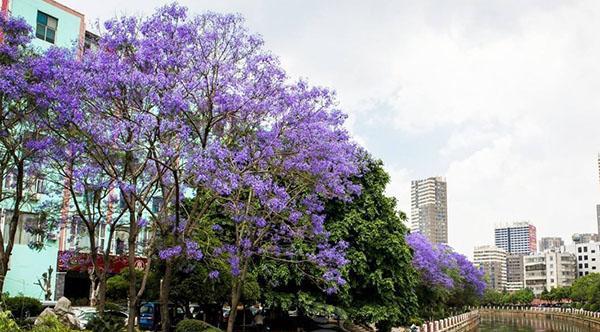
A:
x: 580, y: 312
x: 446, y: 324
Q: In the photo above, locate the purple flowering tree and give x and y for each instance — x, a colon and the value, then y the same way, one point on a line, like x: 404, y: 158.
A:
x: 447, y: 278
x: 22, y: 140
x: 193, y: 109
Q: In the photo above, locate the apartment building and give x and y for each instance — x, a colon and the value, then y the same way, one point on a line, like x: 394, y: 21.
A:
x: 549, y: 270
x: 516, y: 238
x: 429, y: 209
x: 492, y: 260
x: 587, y: 256
x: 514, y: 272
x: 550, y: 243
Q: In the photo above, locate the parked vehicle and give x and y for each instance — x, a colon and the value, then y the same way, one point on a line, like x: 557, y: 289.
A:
x: 149, y: 318
x: 85, y: 314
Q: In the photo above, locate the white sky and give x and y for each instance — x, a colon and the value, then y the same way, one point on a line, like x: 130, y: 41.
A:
x: 500, y: 97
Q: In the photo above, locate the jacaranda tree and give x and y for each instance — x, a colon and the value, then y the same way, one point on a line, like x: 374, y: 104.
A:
x: 192, y: 108
x: 448, y: 280
x: 23, y: 143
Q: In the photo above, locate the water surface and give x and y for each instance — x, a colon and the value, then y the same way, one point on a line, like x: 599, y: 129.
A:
x: 512, y: 323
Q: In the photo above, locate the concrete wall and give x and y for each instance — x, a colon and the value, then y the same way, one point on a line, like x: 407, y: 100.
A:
x: 71, y: 26
x: 27, y: 266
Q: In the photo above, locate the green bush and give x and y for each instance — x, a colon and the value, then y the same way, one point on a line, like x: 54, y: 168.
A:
x: 51, y: 324
x: 7, y: 323
x: 106, y: 323
x: 22, y: 307
x: 193, y: 325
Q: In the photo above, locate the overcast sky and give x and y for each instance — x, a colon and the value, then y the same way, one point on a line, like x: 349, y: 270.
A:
x: 501, y: 97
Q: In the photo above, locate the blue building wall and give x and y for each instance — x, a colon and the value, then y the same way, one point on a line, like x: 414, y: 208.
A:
x: 27, y: 265
x: 71, y: 26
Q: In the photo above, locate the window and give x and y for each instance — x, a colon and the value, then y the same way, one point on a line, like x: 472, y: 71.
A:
x: 584, y: 249
x: 10, y: 181
x: 40, y: 185
x: 585, y: 257
x: 586, y: 265
x: 156, y: 204
x: 579, y: 249
x: 46, y: 27
x: 581, y: 266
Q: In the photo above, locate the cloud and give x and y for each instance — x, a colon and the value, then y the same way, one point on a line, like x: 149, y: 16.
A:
x: 501, y: 97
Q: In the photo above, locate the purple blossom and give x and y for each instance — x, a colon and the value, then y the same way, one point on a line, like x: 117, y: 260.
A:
x: 213, y: 274
x: 169, y: 253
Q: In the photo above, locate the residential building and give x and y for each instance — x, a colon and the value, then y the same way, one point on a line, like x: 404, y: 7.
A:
x: 429, y: 209
x: 54, y: 25
x: 585, y: 238
x: 548, y: 270
x: 492, y: 260
x: 549, y: 243
x: 514, y: 272
x: 587, y: 255
x: 516, y: 238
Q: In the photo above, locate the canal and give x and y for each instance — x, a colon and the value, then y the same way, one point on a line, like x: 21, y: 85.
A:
x: 514, y: 323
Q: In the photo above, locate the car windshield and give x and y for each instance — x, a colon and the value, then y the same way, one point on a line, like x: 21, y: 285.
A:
x: 87, y: 315
x: 146, y: 309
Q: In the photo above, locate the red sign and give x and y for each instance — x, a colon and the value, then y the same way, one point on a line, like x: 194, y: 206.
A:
x: 78, y: 261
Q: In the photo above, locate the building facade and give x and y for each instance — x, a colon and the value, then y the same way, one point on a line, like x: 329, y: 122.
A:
x: 549, y: 243
x: 514, y: 272
x: 429, y: 209
x: 492, y: 260
x: 53, y: 25
x: 516, y: 238
x: 587, y: 256
x: 585, y: 238
x: 549, y: 270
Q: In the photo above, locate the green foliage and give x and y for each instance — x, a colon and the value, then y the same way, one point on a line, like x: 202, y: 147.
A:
x: 118, y: 285
x: 521, y: 297
x: 586, y: 290
x: 51, y: 324
x: 22, y: 307
x: 7, y: 323
x: 106, y: 323
x: 191, y: 325
x: 380, y: 278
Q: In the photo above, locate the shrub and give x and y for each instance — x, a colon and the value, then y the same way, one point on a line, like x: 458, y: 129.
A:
x: 51, y: 324
x: 192, y: 325
x: 22, y: 307
x: 106, y: 323
x: 111, y: 306
x: 7, y: 323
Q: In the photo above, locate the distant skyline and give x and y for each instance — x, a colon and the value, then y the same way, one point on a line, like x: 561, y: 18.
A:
x: 499, y: 97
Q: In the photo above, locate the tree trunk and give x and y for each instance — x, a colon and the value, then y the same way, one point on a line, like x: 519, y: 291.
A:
x: 236, y: 293
x: 165, y: 288
x: 101, y: 293
x: 5, y: 253
x: 132, y: 306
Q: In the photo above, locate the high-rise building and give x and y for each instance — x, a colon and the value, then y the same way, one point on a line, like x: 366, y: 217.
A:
x: 492, y: 260
x: 587, y: 255
x: 429, y: 209
x: 549, y: 270
x: 517, y: 238
x: 514, y: 272
x: 579, y: 238
x: 549, y: 243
